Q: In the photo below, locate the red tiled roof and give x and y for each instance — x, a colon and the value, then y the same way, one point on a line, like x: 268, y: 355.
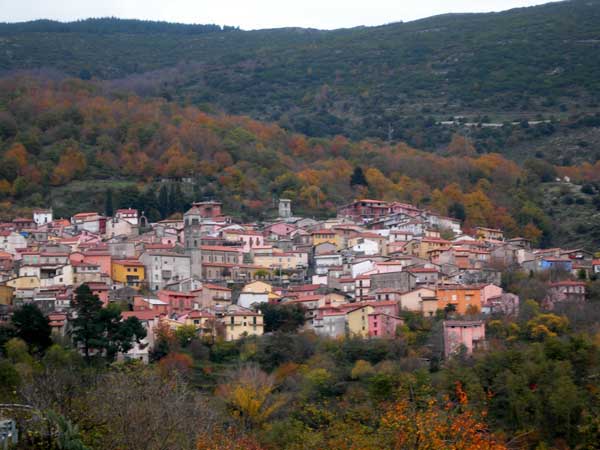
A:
x: 215, y: 287
x: 128, y: 262
x: 220, y: 248
x: 141, y: 315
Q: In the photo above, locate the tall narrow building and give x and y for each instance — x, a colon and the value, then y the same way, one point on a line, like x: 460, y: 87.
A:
x: 285, y: 208
x: 192, y: 230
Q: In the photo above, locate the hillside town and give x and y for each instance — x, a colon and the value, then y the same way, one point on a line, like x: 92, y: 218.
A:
x: 354, y: 275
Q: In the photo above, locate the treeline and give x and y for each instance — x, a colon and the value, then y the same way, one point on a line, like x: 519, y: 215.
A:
x: 110, y: 25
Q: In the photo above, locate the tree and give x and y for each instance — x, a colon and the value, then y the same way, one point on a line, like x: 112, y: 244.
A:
x: 9, y: 381
x: 457, y: 210
x: 285, y: 318
x: 250, y: 395
x: 451, y: 426
x: 155, y: 411
x: 186, y: 334
x: 87, y: 327
x: 119, y: 334
x: 176, y: 199
x: 358, y: 178
x: 32, y: 326
x: 108, y: 203
x: 164, y: 206
x: 102, y: 329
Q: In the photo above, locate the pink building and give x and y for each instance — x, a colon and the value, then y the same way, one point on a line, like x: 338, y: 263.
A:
x: 210, y: 209
x: 467, y: 333
x: 364, y: 210
x: 382, y: 325
x: 177, y: 301
x: 101, y: 258
x: 490, y: 291
x: 101, y: 290
x: 249, y: 239
x: 280, y: 229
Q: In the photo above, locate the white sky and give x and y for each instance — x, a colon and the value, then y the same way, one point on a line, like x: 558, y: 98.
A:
x: 252, y: 14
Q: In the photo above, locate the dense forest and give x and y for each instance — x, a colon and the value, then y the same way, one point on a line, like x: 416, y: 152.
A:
x: 391, y: 82
x: 65, y: 143
x: 535, y: 387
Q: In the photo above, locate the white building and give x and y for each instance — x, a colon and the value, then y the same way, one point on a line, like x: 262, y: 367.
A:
x: 42, y: 216
x: 165, y: 267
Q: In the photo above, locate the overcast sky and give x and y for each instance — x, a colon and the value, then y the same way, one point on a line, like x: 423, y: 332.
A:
x: 252, y: 14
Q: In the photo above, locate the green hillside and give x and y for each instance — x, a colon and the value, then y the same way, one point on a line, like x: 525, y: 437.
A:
x: 392, y: 82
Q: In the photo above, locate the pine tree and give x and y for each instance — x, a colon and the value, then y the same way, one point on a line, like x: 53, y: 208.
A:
x: 358, y: 178
x: 163, y: 202
x: 87, y: 327
x: 102, y: 329
x: 108, y: 203
x: 176, y: 200
x: 32, y: 326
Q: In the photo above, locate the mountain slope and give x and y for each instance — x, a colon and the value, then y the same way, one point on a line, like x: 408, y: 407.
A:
x: 362, y: 82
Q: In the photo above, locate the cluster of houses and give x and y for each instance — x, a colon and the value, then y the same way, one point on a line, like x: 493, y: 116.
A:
x: 354, y: 274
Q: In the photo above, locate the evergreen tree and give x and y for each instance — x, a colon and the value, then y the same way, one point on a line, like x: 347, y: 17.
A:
x: 102, y: 329
x: 129, y: 198
x: 108, y: 203
x: 149, y: 205
x: 358, y: 178
x: 87, y: 327
x: 32, y: 326
x: 163, y: 202
x: 457, y: 210
x: 176, y: 199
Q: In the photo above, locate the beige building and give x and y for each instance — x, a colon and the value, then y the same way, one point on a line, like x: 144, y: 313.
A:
x: 283, y: 261
x: 241, y: 322
x: 358, y: 321
x: 413, y: 300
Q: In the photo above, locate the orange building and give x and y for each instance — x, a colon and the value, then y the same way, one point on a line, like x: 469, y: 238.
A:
x: 460, y: 296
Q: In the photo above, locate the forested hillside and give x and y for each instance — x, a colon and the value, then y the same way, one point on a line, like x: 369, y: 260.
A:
x: 393, y: 82
x: 66, y: 144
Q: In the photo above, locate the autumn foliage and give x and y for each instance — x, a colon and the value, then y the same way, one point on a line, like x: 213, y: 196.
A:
x: 70, y: 131
x: 451, y: 426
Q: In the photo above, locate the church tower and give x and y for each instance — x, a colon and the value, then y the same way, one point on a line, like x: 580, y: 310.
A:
x: 285, y: 208
x: 192, y: 230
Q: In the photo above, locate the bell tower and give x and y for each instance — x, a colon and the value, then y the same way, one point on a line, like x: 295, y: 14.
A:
x: 285, y: 208
x: 192, y: 234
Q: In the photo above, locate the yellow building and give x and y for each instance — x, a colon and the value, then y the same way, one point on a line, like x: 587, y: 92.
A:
x: 258, y: 287
x: 203, y: 321
x: 6, y: 295
x: 423, y: 248
x: 24, y: 283
x: 128, y: 272
x: 322, y: 236
x: 240, y: 322
x: 283, y: 261
x: 358, y: 321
